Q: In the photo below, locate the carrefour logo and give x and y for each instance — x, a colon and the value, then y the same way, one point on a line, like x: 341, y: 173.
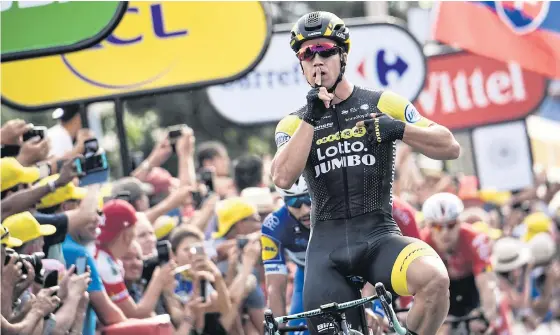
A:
x: 385, y: 68
x: 522, y: 17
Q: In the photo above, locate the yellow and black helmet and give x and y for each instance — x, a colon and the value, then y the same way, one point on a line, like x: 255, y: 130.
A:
x: 317, y: 25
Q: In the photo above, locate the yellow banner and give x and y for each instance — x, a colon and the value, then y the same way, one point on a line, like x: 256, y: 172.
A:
x: 157, y: 47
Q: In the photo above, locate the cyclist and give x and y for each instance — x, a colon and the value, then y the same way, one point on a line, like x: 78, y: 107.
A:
x: 466, y: 254
x: 286, y: 232
x: 343, y: 140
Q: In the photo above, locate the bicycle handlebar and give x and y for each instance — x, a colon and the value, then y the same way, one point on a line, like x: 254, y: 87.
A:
x: 271, y: 323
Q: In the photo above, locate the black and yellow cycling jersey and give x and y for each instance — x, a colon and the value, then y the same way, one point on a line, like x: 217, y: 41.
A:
x: 346, y: 175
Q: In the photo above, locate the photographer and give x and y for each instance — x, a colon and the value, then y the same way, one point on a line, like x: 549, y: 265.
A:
x: 27, y: 143
x: 115, y: 240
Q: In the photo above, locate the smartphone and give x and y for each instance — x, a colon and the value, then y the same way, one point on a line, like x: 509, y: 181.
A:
x: 175, y: 132
x: 203, y: 289
x: 91, y: 146
x: 40, y: 131
x: 163, y: 248
x: 197, y: 249
x: 81, y: 263
x: 197, y: 199
x: 94, y: 163
x: 51, y: 279
x: 207, y: 177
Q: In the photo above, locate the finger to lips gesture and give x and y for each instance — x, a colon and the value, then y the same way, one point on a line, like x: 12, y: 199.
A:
x: 323, y: 93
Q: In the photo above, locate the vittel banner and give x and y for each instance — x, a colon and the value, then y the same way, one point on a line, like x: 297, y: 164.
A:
x: 382, y: 56
x: 465, y: 90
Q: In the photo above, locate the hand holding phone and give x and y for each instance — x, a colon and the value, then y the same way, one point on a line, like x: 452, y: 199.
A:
x: 207, y: 177
x: 36, y: 131
x: 81, y: 265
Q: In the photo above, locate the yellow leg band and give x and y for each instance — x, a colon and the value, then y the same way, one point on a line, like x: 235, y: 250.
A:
x: 405, y: 258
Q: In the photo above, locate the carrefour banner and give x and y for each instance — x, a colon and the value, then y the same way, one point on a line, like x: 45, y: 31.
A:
x: 382, y: 56
x: 158, y: 47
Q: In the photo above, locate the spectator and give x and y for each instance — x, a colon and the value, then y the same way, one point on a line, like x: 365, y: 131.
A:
x: 237, y: 218
x: 25, y: 227
x: 145, y: 235
x: 248, y: 172
x: 187, y: 247
x: 214, y: 155
x: 545, y: 275
x: 67, y: 130
x: 117, y: 234
x: 15, y: 177
x: 261, y: 198
x: 63, y: 199
x: 137, y: 190
x: 75, y: 246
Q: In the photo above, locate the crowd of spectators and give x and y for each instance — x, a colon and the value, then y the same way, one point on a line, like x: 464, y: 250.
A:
x: 84, y: 254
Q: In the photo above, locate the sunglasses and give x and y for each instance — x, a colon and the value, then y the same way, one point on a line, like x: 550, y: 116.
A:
x: 325, y: 50
x: 440, y: 227
x: 298, y: 201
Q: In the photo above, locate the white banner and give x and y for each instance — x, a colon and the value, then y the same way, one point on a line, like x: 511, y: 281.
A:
x: 502, y: 156
x: 382, y: 56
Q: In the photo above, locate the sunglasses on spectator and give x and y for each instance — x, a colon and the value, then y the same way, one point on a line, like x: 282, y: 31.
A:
x: 298, y: 201
x: 325, y: 50
x: 449, y: 225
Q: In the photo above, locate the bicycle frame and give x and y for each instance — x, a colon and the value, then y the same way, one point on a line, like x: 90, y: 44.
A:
x: 271, y: 323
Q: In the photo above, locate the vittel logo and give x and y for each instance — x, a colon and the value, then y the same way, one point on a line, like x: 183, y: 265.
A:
x: 343, y: 154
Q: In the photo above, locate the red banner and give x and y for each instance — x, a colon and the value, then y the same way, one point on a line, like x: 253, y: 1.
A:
x: 465, y: 90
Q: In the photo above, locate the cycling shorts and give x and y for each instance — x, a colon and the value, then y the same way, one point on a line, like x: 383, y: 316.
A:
x: 367, y: 246
x: 297, y: 300
x: 463, y: 296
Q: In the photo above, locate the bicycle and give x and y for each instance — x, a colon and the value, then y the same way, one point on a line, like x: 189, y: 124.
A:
x: 335, y: 313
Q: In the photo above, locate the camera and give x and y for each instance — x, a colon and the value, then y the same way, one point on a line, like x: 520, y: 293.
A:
x: 163, y: 249
x: 94, y: 163
x: 34, y: 259
x: 207, y: 177
x: 91, y: 147
x: 173, y: 133
x: 39, y: 131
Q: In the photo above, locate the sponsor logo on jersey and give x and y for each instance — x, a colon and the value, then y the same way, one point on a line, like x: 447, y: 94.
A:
x: 411, y: 115
x: 269, y: 248
x: 357, y: 117
x: 281, y: 138
x: 271, y: 222
x: 342, y: 155
x: 275, y: 269
x: 324, y: 126
x: 364, y: 107
x: 345, y: 134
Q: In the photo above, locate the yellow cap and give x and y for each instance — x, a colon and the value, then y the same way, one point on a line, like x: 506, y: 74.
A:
x: 494, y: 197
x: 14, y: 173
x: 9, y: 240
x: 483, y: 227
x: 231, y: 211
x: 25, y: 227
x: 537, y: 222
x: 62, y: 194
x: 164, y: 225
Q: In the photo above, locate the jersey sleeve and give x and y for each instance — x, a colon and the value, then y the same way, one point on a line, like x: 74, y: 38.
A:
x: 405, y: 217
x: 272, y: 249
x: 480, y: 250
x: 400, y: 108
x: 286, y: 129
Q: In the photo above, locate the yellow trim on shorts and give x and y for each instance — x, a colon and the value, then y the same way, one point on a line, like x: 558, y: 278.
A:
x: 404, y: 259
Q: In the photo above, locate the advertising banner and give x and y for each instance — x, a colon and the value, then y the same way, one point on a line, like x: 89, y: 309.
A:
x: 465, y: 90
x: 40, y: 28
x: 382, y: 56
x: 158, y: 47
x: 503, y: 156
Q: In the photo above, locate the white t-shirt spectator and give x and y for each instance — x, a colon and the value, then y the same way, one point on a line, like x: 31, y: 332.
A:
x: 111, y: 272
x: 61, y: 141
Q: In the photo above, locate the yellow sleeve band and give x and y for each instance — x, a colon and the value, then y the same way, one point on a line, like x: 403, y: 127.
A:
x: 286, y: 129
x: 400, y: 108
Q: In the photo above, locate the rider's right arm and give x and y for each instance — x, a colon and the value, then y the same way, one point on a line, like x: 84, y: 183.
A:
x: 293, y: 139
x: 276, y: 285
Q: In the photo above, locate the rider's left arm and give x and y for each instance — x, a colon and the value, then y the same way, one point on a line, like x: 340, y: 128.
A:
x: 487, y: 283
x: 435, y: 141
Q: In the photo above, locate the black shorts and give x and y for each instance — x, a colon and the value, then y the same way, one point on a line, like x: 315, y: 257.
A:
x: 370, y: 246
x: 463, y: 296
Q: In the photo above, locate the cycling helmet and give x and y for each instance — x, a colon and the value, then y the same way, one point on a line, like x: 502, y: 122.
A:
x: 442, y: 207
x: 320, y: 24
x: 298, y: 188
